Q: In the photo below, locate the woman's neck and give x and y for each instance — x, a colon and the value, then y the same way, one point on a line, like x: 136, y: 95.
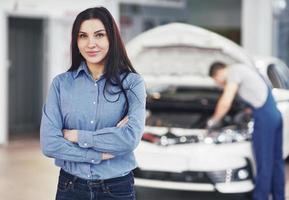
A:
x: 95, y: 70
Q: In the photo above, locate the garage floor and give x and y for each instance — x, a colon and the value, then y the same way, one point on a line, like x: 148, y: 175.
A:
x: 27, y: 175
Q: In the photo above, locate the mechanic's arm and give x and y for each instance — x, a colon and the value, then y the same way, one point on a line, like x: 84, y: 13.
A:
x: 52, y: 141
x: 118, y: 140
x: 225, y: 102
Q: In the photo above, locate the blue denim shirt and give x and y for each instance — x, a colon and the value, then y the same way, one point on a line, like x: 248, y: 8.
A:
x: 76, y: 101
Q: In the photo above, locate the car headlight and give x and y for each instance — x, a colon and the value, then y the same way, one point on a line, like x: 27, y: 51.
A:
x: 230, y: 134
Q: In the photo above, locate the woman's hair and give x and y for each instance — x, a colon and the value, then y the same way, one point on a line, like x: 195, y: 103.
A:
x: 116, y: 60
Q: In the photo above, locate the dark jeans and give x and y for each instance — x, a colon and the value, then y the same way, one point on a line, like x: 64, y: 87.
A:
x: 71, y: 187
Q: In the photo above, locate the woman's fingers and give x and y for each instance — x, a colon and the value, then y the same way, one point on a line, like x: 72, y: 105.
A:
x: 71, y: 135
x: 122, y: 122
x: 107, y: 156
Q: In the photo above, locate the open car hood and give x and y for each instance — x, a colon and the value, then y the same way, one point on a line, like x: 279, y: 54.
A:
x: 182, y: 49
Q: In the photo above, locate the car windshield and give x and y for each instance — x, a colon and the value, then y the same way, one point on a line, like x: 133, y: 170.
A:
x: 178, y: 60
x: 184, y: 106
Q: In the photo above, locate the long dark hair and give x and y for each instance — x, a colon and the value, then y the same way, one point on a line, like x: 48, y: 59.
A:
x: 116, y: 60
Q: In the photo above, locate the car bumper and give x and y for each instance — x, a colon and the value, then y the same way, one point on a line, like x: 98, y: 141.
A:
x: 236, y: 187
x: 234, y: 180
x: 193, y: 157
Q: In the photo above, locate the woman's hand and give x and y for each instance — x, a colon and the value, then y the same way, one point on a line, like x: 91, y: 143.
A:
x: 70, y: 135
x: 106, y: 156
x: 122, y: 122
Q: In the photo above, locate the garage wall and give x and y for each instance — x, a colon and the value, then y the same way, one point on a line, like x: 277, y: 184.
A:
x: 3, y: 78
x: 257, y: 27
x: 220, y: 13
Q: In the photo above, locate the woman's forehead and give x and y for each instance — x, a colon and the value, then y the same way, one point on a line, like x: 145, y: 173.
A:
x: 91, y: 25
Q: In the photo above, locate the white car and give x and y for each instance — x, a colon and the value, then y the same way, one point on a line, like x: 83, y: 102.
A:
x: 176, y: 151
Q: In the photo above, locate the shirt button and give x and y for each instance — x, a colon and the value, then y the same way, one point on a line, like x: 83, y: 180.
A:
x: 93, y: 161
x: 95, y: 84
x: 94, y: 102
x: 88, y: 175
x: 91, y: 122
x: 85, y: 144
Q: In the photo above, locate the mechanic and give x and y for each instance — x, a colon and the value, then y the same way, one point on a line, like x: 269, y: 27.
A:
x: 241, y: 80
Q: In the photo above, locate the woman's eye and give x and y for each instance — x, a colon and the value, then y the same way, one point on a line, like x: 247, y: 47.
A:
x: 99, y: 35
x: 82, y: 36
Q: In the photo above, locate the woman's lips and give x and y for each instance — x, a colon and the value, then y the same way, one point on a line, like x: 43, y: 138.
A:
x: 92, y: 53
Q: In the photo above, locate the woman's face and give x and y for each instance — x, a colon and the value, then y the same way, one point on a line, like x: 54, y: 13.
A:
x: 92, y: 41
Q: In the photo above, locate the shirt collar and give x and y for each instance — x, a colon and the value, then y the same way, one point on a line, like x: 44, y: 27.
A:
x: 83, y: 67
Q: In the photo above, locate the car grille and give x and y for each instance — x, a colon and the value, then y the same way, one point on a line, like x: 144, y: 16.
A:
x: 193, y: 177
x: 224, y: 176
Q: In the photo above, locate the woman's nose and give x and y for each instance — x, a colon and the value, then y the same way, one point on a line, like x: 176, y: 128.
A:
x: 91, y: 42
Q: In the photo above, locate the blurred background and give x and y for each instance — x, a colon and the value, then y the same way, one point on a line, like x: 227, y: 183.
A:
x: 35, y: 47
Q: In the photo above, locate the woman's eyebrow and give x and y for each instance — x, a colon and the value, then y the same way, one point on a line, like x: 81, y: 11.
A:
x: 94, y: 32
x: 99, y: 31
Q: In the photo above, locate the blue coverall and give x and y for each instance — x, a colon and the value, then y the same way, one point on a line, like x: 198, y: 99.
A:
x: 267, y: 146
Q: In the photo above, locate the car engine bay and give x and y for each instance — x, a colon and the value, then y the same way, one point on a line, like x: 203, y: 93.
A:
x: 190, y: 107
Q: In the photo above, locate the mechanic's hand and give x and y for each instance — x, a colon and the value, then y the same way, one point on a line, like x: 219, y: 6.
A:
x: 106, y: 156
x: 122, y: 122
x: 213, y: 124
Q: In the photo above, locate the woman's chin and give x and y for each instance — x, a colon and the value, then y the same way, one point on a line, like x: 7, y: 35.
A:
x: 94, y: 61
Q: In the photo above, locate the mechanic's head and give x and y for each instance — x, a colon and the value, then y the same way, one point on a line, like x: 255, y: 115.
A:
x: 219, y: 72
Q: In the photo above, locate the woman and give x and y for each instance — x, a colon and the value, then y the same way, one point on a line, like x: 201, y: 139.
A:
x: 95, y: 113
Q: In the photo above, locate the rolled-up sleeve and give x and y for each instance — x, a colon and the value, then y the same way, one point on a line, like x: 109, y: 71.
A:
x: 52, y: 141
x: 119, y: 140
